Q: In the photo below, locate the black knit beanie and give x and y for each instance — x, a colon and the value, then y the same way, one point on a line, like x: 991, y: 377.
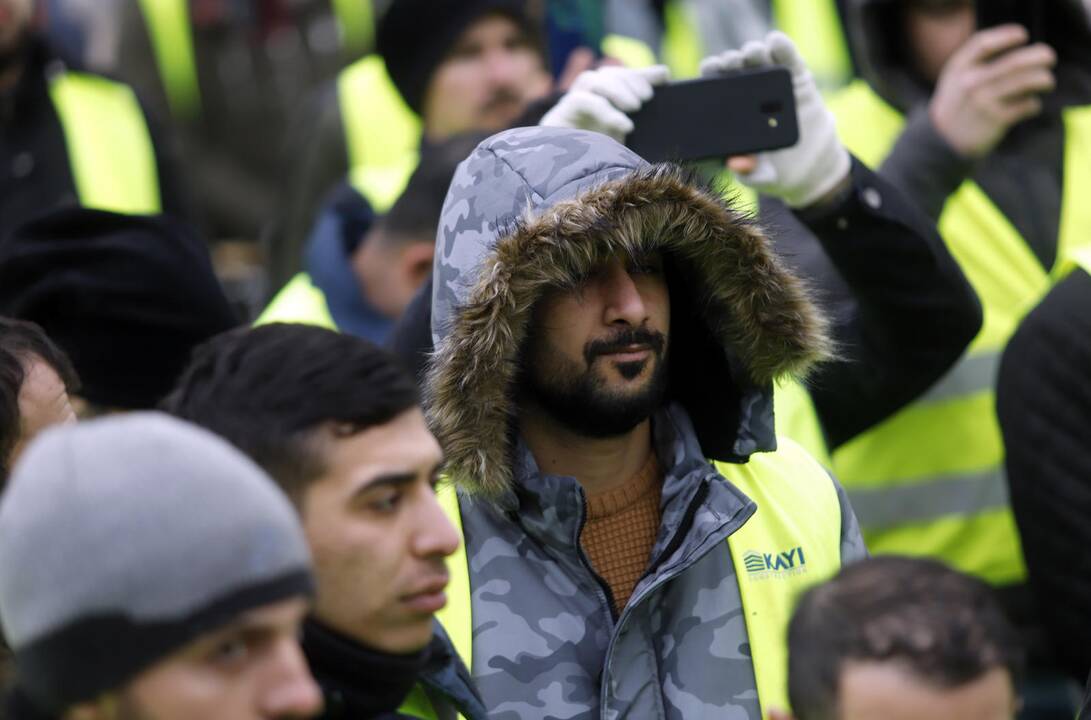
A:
x: 126, y: 297
x: 414, y: 36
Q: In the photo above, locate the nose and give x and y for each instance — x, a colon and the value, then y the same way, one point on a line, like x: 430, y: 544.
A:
x: 292, y: 691
x: 622, y: 301
x: 435, y: 536
x: 500, y: 66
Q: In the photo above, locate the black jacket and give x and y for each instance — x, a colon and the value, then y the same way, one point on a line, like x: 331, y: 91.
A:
x: 1044, y: 407
x: 35, y: 173
x: 903, y: 311
x: 359, y: 683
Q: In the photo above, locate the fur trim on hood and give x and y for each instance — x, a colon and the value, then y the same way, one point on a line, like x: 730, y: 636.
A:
x: 754, y: 310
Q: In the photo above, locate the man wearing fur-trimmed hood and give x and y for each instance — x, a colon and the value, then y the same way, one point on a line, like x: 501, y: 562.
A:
x: 606, y: 336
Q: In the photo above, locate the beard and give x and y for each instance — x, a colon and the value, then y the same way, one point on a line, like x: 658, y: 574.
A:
x: 580, y: 398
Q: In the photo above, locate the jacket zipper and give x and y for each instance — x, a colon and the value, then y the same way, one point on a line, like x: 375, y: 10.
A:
x: 687, y: 520
x: 606, y: 595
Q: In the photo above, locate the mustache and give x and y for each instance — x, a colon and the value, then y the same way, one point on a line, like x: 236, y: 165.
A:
x: 503, y: 96
x: 621, y: 340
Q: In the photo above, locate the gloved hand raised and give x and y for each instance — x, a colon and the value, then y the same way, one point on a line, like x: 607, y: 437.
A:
x: 599, y: 99
x: 812, y: 168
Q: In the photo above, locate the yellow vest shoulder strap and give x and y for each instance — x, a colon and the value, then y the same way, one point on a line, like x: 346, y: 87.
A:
x: 109, y: 148
x: 381, y: 133
x: 171, y: 37
x: 792, y: 541
x: 298, y: 302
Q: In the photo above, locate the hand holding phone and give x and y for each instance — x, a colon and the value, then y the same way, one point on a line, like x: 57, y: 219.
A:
x: 815, y: 166
x: 741, y: 112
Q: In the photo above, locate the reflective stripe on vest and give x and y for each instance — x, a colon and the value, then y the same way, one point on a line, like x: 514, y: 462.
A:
x: 110, y: 151
x: 381, y: 133
x: 171, y: 37
x: 930, y: 479
x: 298, y: 302
x: 791, y: 542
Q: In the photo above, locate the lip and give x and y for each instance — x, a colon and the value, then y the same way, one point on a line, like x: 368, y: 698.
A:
x: 630, y: 353
x: 426, y: 603
x: 428, y: 596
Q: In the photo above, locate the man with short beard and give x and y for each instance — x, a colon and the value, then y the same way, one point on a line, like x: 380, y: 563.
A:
x: 606, y: 337
x: 72, y: 138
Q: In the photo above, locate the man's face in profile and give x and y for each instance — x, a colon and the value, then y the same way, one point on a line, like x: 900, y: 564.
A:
x: 596, y: 359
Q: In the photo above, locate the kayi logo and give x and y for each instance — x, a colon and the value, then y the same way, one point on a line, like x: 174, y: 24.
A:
x: 775, y: 565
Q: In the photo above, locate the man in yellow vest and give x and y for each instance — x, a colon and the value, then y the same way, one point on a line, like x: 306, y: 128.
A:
x: 71, y: 138
x: 945, y: 122
x: 902, y: 638
x: 337, y: 424
x: 456, y: 66
x: 606, y: 335
x: 988, y: 130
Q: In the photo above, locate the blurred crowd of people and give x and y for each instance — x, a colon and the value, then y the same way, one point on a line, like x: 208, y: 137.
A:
x: 351, y: 365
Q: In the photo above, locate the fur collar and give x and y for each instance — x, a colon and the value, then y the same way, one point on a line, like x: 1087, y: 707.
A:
x: 757, y: 311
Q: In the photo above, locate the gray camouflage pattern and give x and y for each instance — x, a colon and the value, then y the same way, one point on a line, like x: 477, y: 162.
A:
x: 546, y: 645
x: 545, y: 642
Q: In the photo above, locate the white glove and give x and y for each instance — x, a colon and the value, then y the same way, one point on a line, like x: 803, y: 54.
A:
x: 804, y: 173
x: 599, y: 99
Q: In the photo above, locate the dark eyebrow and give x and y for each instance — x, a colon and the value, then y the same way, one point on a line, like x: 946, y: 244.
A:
x: 395, y: 479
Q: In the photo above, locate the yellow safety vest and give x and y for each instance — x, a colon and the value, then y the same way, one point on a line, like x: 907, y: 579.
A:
x: 110, y: 151
x: 797, y: 507
x: 930, y: 479
x: 298, y: 302
x: 381, y: 133
x: 817, y: 31
x: 171, y: 36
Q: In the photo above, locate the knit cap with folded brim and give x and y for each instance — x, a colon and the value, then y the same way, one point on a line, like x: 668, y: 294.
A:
x: 414, y: 36
x: 125, y: 538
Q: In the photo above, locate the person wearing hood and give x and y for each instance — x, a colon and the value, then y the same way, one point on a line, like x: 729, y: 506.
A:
x: 606, y: 336
x: 988, y: 131
x: 337, y: 424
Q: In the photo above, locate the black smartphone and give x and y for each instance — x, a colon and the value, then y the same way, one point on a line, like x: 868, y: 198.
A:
x: 735, y: 114
x: 1028, y: 13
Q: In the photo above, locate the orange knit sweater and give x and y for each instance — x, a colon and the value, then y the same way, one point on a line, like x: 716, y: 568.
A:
x: 621, y: 528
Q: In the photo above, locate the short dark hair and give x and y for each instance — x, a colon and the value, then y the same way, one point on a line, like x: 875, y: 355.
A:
x: 415, y: 214
x: 944, y: 627
x: 269, y: 389
x: 20, y: 343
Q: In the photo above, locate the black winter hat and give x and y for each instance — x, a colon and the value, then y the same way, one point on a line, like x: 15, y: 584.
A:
x: 415, y: 35
x: 127, y: 297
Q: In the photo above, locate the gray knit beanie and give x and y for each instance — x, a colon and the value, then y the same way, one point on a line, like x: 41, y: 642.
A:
x: 125, y: 538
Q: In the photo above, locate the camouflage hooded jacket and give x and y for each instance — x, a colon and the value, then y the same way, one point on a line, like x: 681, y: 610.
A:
x: 534, y: 208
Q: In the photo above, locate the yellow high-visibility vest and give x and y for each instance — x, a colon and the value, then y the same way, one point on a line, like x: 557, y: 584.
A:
x: 171, y: 35
x: 930, y: 480
x: 816, y: 29
x: 298, y: 302
x: 797, y: 507
x: 110, y: 150
x: 381, y: 133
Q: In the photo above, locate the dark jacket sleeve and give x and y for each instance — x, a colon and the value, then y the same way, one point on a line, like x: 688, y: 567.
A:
x: 903, y: 311
x: 1044, y: 408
